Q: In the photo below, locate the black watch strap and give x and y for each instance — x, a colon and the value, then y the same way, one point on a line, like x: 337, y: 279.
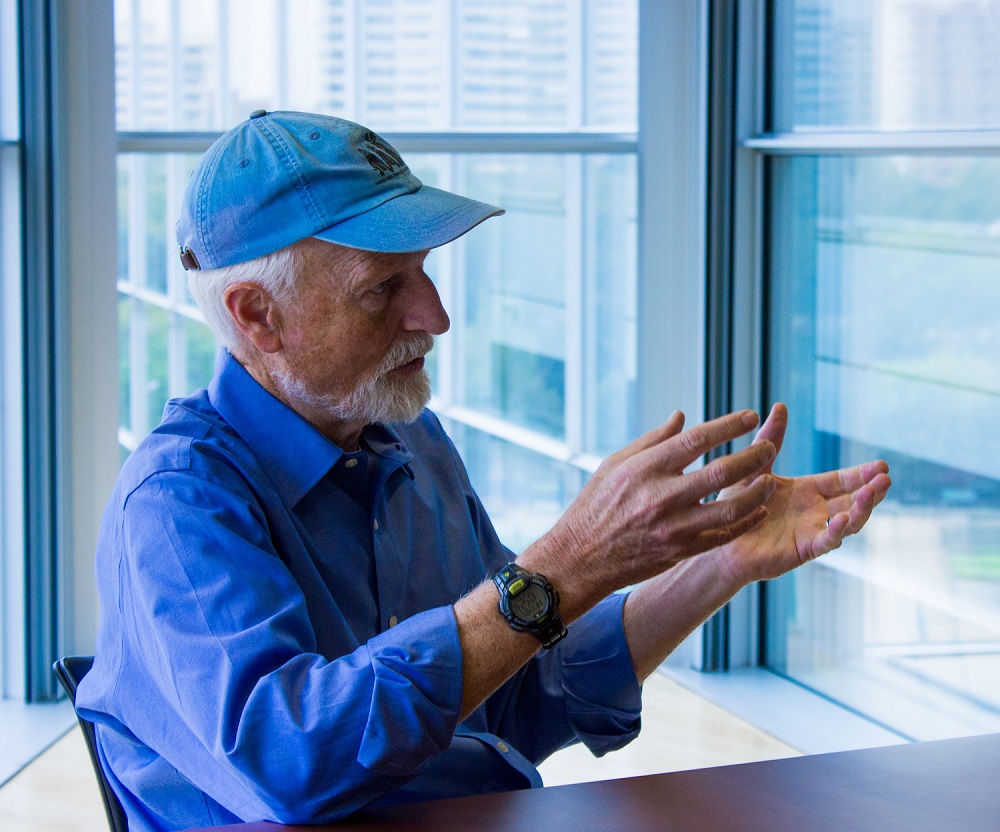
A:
x: 547, y: 625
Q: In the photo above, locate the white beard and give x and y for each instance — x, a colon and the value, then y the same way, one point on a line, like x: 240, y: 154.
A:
x: 377, y: 398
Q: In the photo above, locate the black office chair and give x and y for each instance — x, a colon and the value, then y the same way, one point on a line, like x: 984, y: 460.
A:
x: 70, y: 672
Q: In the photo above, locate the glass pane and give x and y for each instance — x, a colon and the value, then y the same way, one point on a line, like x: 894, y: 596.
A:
x: 404, y: 48
x: 199, y: 352
x: 158, y: 231
x: 153, y: 387
x: 123, y: 208
x: 124, y: 366
x: 391, y: 64
x: 885, y: 286
x: 514, y: 315
x: 144, y: 237
x: 12, y: 471
x: 10, y: 122
x: 612, y: 64
x: 886, y: 64
x: 162, y: 351
x: 609, y: 303
x: 524, y: 493
x: 514, y: 64
x: 167, y: 67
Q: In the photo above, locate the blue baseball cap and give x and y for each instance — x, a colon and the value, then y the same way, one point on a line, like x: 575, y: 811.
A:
x: 280, y: 177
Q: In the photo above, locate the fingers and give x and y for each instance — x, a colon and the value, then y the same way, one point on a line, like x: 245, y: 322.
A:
x: 743, y: 465
x: 774, y: 427
x: 864, y: 501
x: 846, y: 480
x: 852, y: 519
x: 712, y: 538
x: 831, y: 536
x: 714, y: 524
x: 739, y: 504
x: 657, y: 436
x: 679, y: 451
x: 881, y: 483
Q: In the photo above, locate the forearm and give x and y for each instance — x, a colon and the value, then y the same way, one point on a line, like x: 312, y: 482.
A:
x: 584, y: 689
x: 660, y: 613
x: 491, y: 651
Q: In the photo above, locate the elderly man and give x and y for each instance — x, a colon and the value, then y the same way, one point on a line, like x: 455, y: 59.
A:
x: 305, y: 608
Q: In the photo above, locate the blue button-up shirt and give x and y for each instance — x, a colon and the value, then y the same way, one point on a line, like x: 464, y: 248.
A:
x: 277, y: 638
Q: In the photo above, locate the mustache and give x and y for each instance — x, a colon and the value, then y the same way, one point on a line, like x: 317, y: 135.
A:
x: 403, y: 352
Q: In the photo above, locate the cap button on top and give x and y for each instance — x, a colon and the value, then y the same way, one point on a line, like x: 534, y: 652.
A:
x: 258, y: 113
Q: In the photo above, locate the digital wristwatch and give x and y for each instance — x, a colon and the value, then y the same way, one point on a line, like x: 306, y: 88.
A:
x: 529, y: 603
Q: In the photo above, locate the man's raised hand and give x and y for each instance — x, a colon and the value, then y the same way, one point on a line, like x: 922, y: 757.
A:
x: 641, y: 513
x: 807, y: 516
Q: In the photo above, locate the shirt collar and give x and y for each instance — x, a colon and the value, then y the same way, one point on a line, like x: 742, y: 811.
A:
x: 294, y: 455
x: 384, y: 441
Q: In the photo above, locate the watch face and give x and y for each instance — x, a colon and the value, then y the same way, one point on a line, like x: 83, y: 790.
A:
x: 529, y: 603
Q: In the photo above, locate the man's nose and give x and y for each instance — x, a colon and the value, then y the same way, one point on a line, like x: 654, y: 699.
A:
x: 424, y: 311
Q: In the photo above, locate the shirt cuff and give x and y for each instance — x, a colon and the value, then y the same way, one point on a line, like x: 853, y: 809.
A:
x: 417, y: 694
x: 603, y: 697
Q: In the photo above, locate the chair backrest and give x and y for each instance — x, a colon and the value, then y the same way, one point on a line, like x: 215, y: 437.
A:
x: 70, y: 672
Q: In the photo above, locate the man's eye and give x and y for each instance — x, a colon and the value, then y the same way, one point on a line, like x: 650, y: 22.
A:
x: 380, y: 289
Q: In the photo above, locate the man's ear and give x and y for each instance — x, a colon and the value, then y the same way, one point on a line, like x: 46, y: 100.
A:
x: 255, y: 313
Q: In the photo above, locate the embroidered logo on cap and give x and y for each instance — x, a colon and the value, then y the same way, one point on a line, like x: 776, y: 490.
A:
x: 382, y: 157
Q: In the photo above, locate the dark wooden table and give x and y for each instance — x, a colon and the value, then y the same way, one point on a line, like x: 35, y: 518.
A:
x: 941, y: 786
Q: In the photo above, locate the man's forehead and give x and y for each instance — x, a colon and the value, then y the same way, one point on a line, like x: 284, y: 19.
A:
x: 356, y: 264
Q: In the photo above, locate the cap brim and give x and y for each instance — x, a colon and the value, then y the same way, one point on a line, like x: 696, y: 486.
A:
x: 424, y: 219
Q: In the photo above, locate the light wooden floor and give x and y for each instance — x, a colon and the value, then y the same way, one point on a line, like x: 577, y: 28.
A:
x: 58, y: 793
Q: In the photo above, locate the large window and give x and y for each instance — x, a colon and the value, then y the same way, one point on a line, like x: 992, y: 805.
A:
x: 529, y: 105
x: 883, y: 285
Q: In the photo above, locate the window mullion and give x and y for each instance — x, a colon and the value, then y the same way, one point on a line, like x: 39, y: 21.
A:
x: 747, y: 257
x: 671, y: 211
x: 878, y: 143
x: 40, y: 371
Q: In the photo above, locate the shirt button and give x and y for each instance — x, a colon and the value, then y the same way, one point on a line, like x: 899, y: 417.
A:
x: 375, y: 525
x: 393, y: 621
x: 503, y: 746
x: 350, y: 463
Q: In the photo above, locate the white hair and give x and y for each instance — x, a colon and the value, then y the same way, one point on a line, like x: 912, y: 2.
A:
x: 277, y: 273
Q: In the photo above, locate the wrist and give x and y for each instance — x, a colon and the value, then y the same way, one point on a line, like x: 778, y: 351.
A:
x: 529, y: 603
x: 564, y: 561
x: 730, y: 567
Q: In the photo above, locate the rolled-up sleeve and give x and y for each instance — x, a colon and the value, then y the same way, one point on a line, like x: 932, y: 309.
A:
x: 598, y: 682
x: 584, y: 689
x: 416, y: 694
